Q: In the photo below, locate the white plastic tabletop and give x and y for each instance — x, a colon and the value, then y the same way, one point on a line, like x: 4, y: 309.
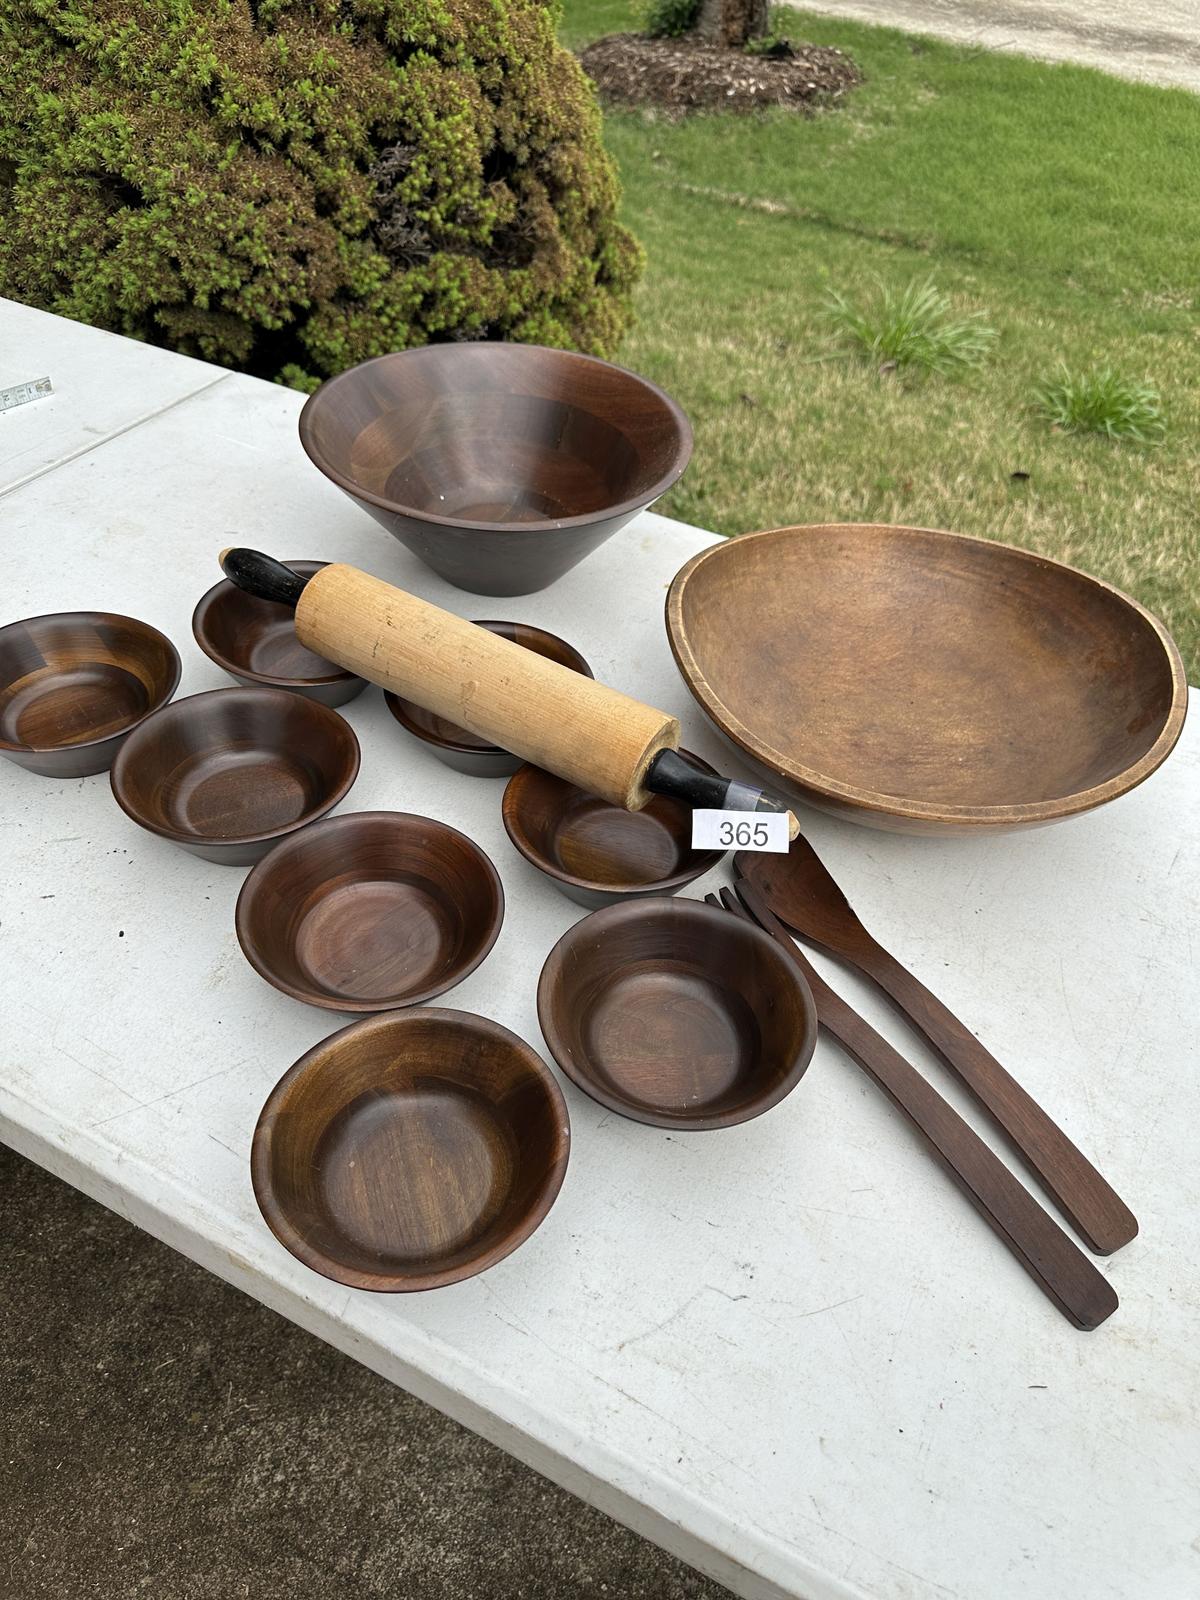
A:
x: 789, y: 1351
x: 102, y: 385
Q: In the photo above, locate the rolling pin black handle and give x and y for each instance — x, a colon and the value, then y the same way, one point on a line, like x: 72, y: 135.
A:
x: 672, y: 774
x: 262, y: 576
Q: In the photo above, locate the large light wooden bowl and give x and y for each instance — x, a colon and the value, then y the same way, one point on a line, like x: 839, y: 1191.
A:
x: 925, y: 682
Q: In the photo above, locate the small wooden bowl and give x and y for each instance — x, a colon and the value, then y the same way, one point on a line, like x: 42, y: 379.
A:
x: 74, y: 684
x: 499, y: 465
x: 370, y: 911
x: 462, y: 750
x: 226, y: 774
x: 925, y: 682
x: 597, y: 853
x: 677, y: 1014
x: 255, y: 642
x: 410, y: 1150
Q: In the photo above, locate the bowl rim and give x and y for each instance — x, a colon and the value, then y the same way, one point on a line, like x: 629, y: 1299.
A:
x: 588, y: 929
x: 272, y: 680
x: 401, y: 708
x: 178, y: 836
x: 159, y: 704
x: 298, y: 841
x: 328, y: 390
x: 706, y: 859
x: 870, y: 801
x: 277, y: 1219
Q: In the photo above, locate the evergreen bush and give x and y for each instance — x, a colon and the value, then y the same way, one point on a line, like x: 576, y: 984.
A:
x: 290, y: 186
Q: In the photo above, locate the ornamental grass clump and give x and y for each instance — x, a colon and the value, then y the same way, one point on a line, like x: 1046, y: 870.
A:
x: 290, y: 186
x: 1102, y: 401
x: 912, y: 330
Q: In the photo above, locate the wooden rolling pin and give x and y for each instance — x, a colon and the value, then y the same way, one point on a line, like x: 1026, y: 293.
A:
x: 595, y: 737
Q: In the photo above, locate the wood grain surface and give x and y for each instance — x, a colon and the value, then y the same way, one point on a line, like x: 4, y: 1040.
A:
x: 805, y: 898
x: 538, y: 709
x: 1057, y: 1266
x: 675, y: 1015
x: 459, y: 747
x: 227, y: 773
x: 255, y: 641
x: 410, y: 1150
x: 923, y: 681
x: 500, y: 465
x: 73, y: 684
x: 597, y: 853
x: 369, y: 911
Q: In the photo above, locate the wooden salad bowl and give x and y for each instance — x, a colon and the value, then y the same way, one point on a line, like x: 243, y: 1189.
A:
x: 925, y: 682
x: 500, y: 465
x: 597, y: 853
x: 676, y: 1013
x: 410, y: 1150
x: 370, y: 910
x: 255, y: 641
x: 227, y: 773
x: 467, y: 752
x: 73, y: 686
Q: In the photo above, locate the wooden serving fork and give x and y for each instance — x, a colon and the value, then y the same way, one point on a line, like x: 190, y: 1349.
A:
x: 802, y: 894
x: 1053, y: 1261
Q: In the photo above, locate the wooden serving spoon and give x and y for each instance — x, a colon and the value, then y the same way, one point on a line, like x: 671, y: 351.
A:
x: 801, y: 893
x: 1053, y: 1261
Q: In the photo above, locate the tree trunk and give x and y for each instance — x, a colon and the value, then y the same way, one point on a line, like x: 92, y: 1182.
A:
x: 732, y: 22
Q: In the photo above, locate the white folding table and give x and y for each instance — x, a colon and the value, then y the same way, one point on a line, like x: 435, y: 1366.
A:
x: 790, y: 1352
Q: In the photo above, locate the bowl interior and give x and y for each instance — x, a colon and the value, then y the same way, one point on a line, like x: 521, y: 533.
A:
x: 257, y: 638
x: 491, y: 435
x: 436, y: 730
x: 675, y: 1013
x: 235, y: 764
x: 586, y: 841
x: 370, y: 910
x: 920, y: 668
x: 410, y: 1150
x: 80, y: 676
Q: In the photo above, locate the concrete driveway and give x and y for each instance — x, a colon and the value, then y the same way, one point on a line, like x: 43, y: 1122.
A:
x: 1158, y: 40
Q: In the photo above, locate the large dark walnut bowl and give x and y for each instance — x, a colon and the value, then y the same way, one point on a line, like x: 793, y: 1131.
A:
x: 500, y: 465
x: 925, y: 682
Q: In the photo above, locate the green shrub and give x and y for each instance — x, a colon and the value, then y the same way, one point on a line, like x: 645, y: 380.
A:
x: 1102, y: 401
x: 289, y: 186
x: 667, y: 19
x: 913, y: 329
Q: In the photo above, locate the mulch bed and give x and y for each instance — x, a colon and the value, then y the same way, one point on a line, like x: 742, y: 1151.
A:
x: 681, y: 75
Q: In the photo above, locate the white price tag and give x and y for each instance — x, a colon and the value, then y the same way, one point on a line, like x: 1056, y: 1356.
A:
x: 740, y: 830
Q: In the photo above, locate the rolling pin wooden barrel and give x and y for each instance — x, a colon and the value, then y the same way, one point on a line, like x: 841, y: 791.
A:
x: 593, y: 736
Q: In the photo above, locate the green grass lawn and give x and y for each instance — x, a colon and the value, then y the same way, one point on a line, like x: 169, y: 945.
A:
x: 1063, y: 202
